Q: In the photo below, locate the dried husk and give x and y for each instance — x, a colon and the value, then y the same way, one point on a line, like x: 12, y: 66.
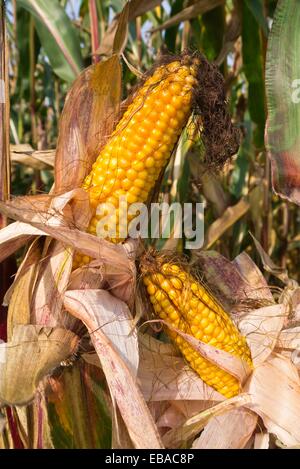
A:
x: 193, y: 426
x: 88, y: 118
x: 32, y: 353
x: 92, y: 307
x: 231, y: 430
x: 164, y: 375
x: 275, y: 390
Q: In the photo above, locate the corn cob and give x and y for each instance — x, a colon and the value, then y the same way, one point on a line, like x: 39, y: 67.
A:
x: 140, y: 147
x: 184, y: 303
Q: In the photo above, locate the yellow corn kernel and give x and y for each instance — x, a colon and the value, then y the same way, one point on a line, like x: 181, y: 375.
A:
x: 144, y: 138
x: 183, y: 308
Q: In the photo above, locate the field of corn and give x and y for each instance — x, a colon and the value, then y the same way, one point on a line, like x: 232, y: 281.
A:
x: 127, y: 343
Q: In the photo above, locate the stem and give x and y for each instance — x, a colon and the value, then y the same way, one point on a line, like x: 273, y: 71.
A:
x: 32, y: 82
x: 4, y: 113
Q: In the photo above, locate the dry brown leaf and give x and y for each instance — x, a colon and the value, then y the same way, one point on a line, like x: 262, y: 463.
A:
x: 228, y: 283
x: 229, y: 217
x: 256, y: 286
x: 25, y: 154
x: 269, y: 265
x: 19, y: 294
x: 275, y: 390
x: 200, y: 7
x: 35, y: 212
x: 33, y: 352
x: 87, y: 120
x: 90, y: 307
x: 121, y: 35
x: 136, y: 8
x: 14, y: 236
x: 52, y: 282
x: 231, y: 430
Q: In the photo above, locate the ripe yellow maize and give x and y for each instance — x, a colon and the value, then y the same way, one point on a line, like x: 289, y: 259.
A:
x: 139, y: 148
x: 180, y: 300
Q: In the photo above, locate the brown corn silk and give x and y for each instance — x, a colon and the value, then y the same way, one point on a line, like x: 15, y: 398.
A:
x: 183, y: 302
x: 138, y: 150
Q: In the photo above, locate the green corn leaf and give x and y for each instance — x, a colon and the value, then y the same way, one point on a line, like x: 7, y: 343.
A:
x: 57, y: 35
x: 283, y: 99
x: 253, y: 68
x: 257, y: 9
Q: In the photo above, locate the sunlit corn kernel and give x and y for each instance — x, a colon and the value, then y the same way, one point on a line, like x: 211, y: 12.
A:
x: 212, y: 316
x: 149, y: 163
x: 151, y: 289
x: 209, y: 329
x: 143, y: 175
x: 174, y: 66
x: 173, y: 294
x: 131, y: 198
x: 126, y: 184
x: 194, y: 287
x: 176, y: 282
x: 150, y: 115
x: 165, y: 302
x: 173, y: 315
x: 165, y: 285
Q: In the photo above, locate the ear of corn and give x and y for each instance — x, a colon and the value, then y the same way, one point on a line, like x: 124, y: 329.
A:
x: 185, y: 304
x: 140, y: 147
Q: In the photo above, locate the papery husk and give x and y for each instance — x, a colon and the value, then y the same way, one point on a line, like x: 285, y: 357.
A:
x: 234, y: 283
x: 261, y: 440
x: 164, y: 374
x: 224, y: 360
x: 275, y: 390
x: 14, y: 236
x: 262, y: 328
x: 51, y: 284
x: 231, y: 430
x: 87, y: 120
x: 193, y: 426
x: 289, y: 340
x: 32, y: 353
x: 118, y: 362
x: 19, y: 294
x: 256, y: 286
x: 56, y: 216
x: 52, y: 220
x: 120, y: 436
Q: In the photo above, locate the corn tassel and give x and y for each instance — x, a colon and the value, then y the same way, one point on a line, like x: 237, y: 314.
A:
x: 136, y: 153
x: 184, y: 303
